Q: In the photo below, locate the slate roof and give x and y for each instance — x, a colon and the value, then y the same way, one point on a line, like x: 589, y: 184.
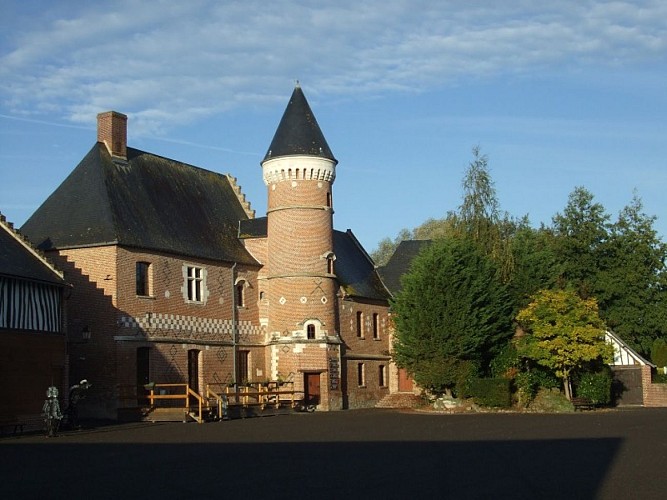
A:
x: 355, y: 269
x: 18, y: 259
x: 400, y: 262
x: 146, y: 202
x: 253, y: 228
x: 298, y: 132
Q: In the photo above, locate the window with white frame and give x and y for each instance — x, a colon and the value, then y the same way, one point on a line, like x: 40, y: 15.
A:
x: 194, y: 284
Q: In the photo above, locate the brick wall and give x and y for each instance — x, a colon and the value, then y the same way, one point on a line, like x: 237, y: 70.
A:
x: 92, y: 272
x: 654, y: 394
x: 29, y: 363
x: 105, y: 300
x: 367, y: 347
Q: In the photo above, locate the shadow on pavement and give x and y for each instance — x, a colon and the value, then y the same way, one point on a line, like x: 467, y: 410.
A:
x: 520, y: 469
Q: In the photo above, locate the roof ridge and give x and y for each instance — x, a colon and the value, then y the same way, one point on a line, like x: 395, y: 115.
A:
x: 28, y: 245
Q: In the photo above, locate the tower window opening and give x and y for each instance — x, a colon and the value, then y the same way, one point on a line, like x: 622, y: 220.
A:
x: 239, y: 290
x: 310, y: 331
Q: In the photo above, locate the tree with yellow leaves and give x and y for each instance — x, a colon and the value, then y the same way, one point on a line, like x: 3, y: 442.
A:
x: 565, y: 333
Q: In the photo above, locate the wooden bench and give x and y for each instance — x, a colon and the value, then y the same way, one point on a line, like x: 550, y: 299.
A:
x: 10, y: 421
x: 583, y: 404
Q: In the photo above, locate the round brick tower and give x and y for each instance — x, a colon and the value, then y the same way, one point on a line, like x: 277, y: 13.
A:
x: 299, y: 170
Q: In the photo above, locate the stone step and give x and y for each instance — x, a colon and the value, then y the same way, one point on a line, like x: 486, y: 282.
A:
x: 167, y: 415
x: 400, y: 400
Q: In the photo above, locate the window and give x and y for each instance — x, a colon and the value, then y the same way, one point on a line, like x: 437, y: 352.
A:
x: 195, y: 284
x: 382, y: 376
x: 329, y: 200
x: 360, y: 324
x: 376, y: 326
x: 361, y: 375
x: 239, y: 287
x: 310, y: 331
x: 330, y: 265
x: 143, y: 278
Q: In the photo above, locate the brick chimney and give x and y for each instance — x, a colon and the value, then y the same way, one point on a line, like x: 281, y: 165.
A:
x: 112, y: 131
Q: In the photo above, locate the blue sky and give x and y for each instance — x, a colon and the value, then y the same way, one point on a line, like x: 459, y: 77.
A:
x: 569, y: 94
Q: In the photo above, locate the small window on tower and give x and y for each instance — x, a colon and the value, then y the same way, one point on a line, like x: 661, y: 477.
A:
x: 310, y: 331
x: 360, y: 324
x: 329, y: 200
x: 239, y: 290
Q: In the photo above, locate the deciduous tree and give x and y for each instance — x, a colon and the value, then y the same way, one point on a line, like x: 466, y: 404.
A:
x: 565, y: 333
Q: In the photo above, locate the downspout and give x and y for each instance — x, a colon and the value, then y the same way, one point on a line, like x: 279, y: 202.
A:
x: 234, y: 329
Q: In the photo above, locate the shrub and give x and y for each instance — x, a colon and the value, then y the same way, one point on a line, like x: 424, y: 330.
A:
x: 528, y: 383
x: 466, y: 373
x: 595, y: 386
x: 506, y: 362
x: 493, y: 392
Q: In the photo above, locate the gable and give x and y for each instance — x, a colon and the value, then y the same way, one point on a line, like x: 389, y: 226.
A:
x: 19, y: 260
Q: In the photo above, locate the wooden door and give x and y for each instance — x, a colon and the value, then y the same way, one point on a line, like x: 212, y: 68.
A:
x: 193, y: 369
x: 404, y: 381
x: 312, y: 388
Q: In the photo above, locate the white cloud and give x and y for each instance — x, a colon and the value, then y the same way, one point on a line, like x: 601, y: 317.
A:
x: 159, y: 60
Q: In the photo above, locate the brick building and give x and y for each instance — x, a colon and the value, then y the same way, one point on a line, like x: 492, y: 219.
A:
x: 33, y: 351
x: 176, y: 281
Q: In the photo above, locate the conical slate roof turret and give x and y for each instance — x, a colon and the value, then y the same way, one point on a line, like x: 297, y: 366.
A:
x: 298, y: 132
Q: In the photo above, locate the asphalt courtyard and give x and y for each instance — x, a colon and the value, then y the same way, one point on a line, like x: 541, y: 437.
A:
x: 350, y: 454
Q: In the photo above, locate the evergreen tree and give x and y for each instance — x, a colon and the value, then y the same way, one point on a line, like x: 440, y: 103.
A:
x: 479, y: 216
x: 452, y: 313
x: 580, y: 232
x: 535, y: 263
x: 630, y: 285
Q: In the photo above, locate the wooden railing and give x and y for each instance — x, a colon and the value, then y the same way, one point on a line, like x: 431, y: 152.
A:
x: 184, y: 395
x: 260, y: 394
x: 254, y: 394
